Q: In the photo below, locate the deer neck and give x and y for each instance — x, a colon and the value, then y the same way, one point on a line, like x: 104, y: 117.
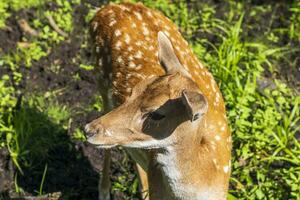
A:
x: 175, y: 173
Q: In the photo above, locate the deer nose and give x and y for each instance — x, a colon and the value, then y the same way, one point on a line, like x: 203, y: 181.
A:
x: 91, y: 129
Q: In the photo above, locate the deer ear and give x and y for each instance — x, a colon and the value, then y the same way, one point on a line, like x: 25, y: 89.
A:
x: 167, y: 56
x: 195, y: 104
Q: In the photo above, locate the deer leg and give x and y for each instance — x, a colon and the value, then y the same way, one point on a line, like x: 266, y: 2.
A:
x: 104, y: 183
x: 143, y: 178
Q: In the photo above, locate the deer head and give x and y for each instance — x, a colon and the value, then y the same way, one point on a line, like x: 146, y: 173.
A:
x: 159, y: 112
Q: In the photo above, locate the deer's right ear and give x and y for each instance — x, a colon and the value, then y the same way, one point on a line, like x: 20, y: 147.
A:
x: 167, y: 56
x: 195, y: 104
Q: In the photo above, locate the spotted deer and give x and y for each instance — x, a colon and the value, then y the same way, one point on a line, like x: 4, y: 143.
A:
x: 162, y: 105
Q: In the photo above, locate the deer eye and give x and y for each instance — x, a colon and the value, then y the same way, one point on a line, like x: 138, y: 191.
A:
x: 156, y: 116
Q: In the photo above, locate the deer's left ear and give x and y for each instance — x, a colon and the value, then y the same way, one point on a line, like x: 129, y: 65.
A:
x: 167, y: 56
x: 195, y: 104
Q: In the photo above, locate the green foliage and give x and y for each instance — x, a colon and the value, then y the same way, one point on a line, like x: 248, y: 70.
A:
x: 263, y: 121
x: 27, y: 126
x: 28, y: 54
x: 7, y: 99
x: 7, y: 104
x: 86, y: 67
x: 15, y: 5
x: 294, y: 29
x: 3, y: 13
x: 19, y: 4
x: 63, y: 15
x: 79, y: 135
x: 97, y: 103
x: 126, y: 183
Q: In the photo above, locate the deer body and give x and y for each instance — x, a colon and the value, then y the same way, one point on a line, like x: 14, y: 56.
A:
x: 171, y: 114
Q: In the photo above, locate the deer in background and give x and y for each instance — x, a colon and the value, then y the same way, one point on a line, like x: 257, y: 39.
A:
x: 161, y: 104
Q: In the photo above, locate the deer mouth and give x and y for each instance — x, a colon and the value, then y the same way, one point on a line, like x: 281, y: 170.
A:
x: 95, y: 141
x: 105, y: 146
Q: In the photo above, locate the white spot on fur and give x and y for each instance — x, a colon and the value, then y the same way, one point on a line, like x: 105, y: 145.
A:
x: 200, y: 66
x: 138, y: 15
x: 223, y: 128
x: 167, y: 33
x: 118, y: 74
x: 120, y: 60
x: 215, y: 161
x: 130, y: 48
x: 229, y: 140
x: 149, y: 14
x: 110, y: 11
x: 128, y: 76
x: 133, y: 25
x: 139, y: 75
x: 145, y: 31
x: 95, y: 26
x: 118, y: 45
x: 118, y: 32
x: 138, y: 54
x: 124, y: 8
x: 226, y: 168
x: 132, y: 65
x: 99, y: 40
x: 217, y: 97
x: 113, y: 22
x: 214, y: 88
x: 213, y: 145
x: 217, y: 137
x: 127, y: 38
x: 151, y: 48
x: 138, y: 67
x: 138, y: 43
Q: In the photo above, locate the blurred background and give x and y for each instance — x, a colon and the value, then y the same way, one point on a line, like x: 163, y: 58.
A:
x: 48, y: 92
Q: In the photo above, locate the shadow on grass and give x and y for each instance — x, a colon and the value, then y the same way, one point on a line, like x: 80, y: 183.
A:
x: 43, y: 142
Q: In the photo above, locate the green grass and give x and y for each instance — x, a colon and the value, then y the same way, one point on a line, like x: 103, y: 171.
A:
x: 240, y: 47
x: 26, y: 143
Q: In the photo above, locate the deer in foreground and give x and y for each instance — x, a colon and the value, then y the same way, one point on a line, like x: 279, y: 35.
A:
x: 162, y: 105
